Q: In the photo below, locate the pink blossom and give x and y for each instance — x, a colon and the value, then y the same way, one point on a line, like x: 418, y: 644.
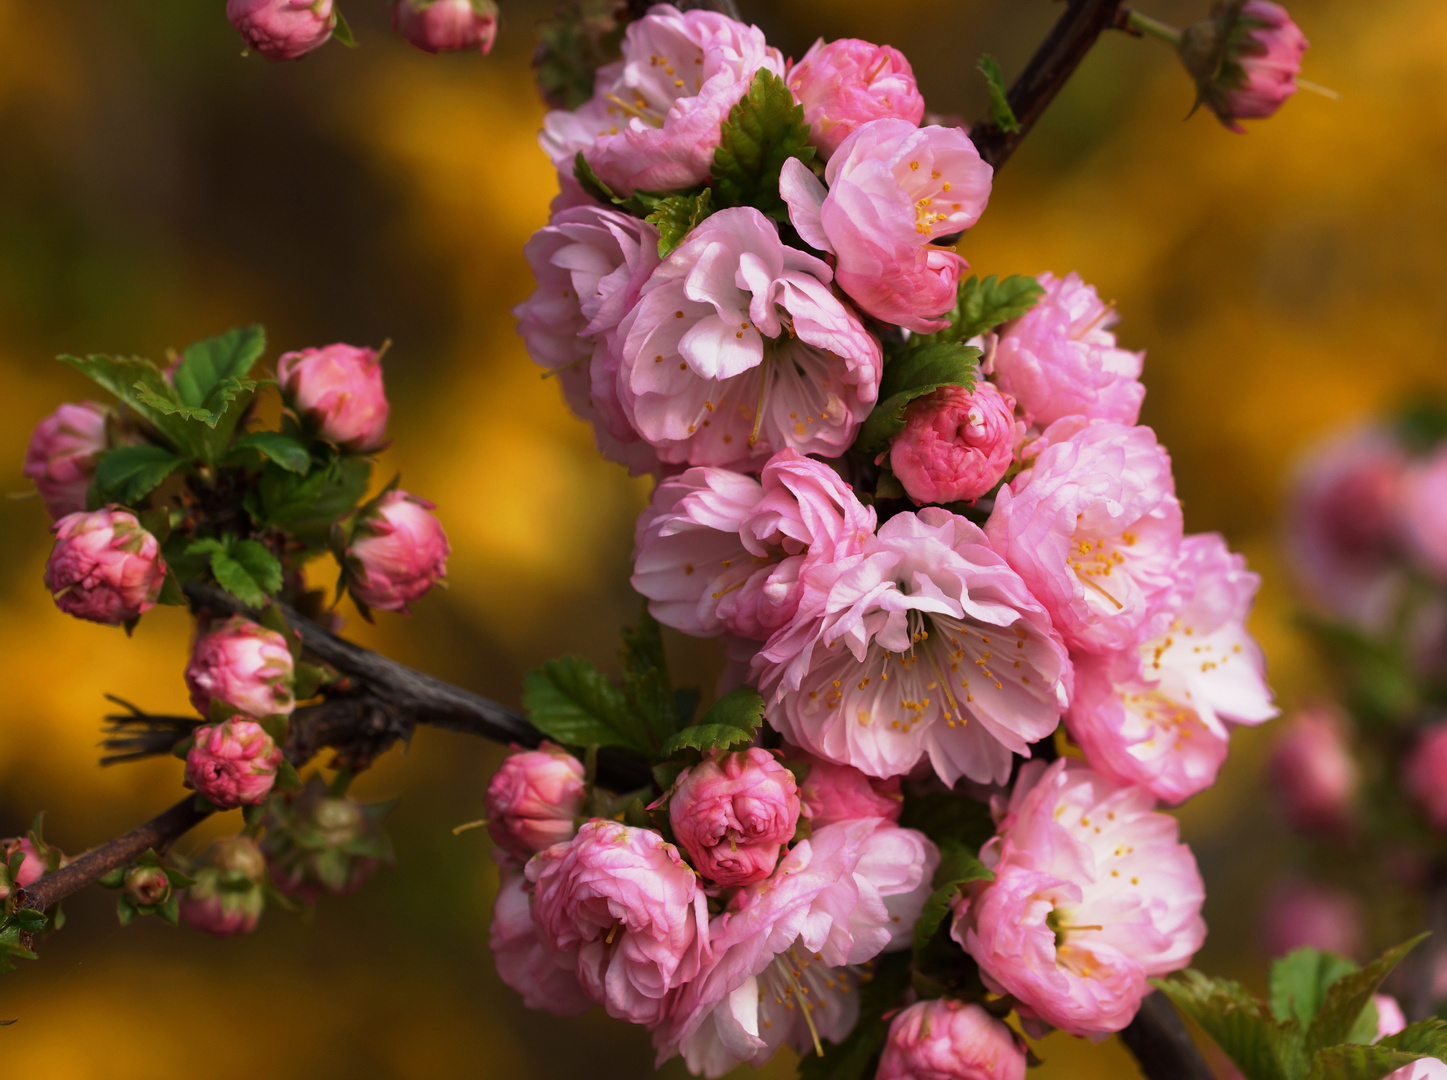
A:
x: 850, y: 82
x: 1390, y: 1018
x: 244, y: 665
x: 717, y: 551
x: 338, y: 390
x: 1424, y: 512
x: 1160, y: 715
x: 949, y: 1040
x: 33, y: 864
x: 282, y: 29
x: 1299, y: 914
x: 590, y: 264
x: 893, y: 188
x: 1060, y: 358
x: 545, y: 979
x: 655, y: 117
x: 956, y: 444
x: 832, y: 793
x: 1093, y: 893
x: 932, y: 623
x: 732, y: 814
x: 1343, y: 529
x: 104, y: 567
x: 1425, y: 773
x: 446, y: 25
x: 1094, y: 529
x: 397, y: 553
x: 534, y: 799
x: 62, y: 455
x: 628, y: 912
x: 849, y: 892
x: 233, y: 763
x: 1314, y: 774
x: 1262, y: 58
x: 1421, y: 1069
x: 737, y: 349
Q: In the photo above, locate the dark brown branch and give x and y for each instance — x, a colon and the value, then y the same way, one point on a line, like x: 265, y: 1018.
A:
x: 1161, y: 1044
x: 1046, y: 74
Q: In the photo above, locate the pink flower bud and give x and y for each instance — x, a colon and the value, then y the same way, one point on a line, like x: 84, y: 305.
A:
x: 446, y: 25
x: 398, y: 552
x: 104, y: 566
x: 831, y: 793
x: 732, y: 813
x: 61, y: 457
x: 33, y: 867
x: 147, y: 886
x: 534, y: 799
x: 849, y: 82
x: 1424, y: 513
x: 1299, y: 914
x: 317, y: 842
x: 1425, y: 773
x: 1390, y: 1018
x: 338, y: 390
x: 282, y: 29
x: 956, y: 444
x: 1254, y: 72
x: 233, y: 764
x: 949, y: 1040
x: 1313, y: 773
x: 244, y: 665
x: 227, y: 898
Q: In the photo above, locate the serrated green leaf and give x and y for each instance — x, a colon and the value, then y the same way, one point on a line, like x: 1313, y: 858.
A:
x: 706, y: 737
x: 1424, y: 1037
x: 912, y: 375
x: 244, y: 568
x: 131, y: 377
x: 1349, y: 995
x: 327, y: 493
x: 1357, y: 1063
x: 765, y: 129
x: 1299, y: 982
x: 127, y: 474
x: 676, y: 216
x: 1001, y: 115
x: 207, y: 363
x: 259, y: 562
x: 1260, y: 1046
x: 984, y: 305
x: 958, y: 866
x: 209, y: 413
x: 232, y: 577
x: 741, y: 708
x: 291, y: 453
x: 574, y: 704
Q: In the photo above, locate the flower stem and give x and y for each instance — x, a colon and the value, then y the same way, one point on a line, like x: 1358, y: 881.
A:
x: 1146, y: 25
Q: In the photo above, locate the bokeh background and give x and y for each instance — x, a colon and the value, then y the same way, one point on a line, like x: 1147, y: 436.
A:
x: 156, y: 187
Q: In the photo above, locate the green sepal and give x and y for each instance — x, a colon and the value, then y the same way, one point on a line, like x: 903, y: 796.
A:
x: 114, y: 880
x: 169, y: 910
x: 178, y: 879
x: 286, y: 777
x: 276, y: 725
x: 1002, y: 117
x: 909, y: 376
x: 126, y: 910
x: 676, y: 216
x: 205, y: 805
x: 763, y: 130
x: 666, y: 773
x: 308, y: 680
x: 253, y: 814
x: 342, y: 31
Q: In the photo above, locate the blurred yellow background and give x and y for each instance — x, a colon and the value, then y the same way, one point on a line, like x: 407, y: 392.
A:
x: 156, y: 187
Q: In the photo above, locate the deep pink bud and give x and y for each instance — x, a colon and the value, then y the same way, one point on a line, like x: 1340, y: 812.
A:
x: 849, y: 82
x: 731, y: 813
x: 1252, y: 74
x: 61, y: 457
x: 398, y: 552
x: 227, y: 898
x: 1300, y: 914
x: 34, y: 866
x: 244, y: 665
x: 105, y: 567
x: 282, y: 29
x: 338, y: 390
x: 233, y: 764
x: 1425, y: 773
x: 831, y: 793
x: 956, y: 444
x: 949, y: 1040
x: 534, y: 799
x: 1313, y: 774
x: 446, y: 25
x: 147, y: 886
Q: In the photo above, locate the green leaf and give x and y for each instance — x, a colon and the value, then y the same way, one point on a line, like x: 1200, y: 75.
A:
x: 1424, y: 1037
x: 1260, y: 1046
x: 208, y: 363
x: 287, y: 451
x: 909, y: 376
x: 286, y: 777
x: 308, y: 680
x: 984, y: 305
x: 1299, y: 982
x: 645, y: 678
x: 1357, y: 1063
x: 342, y: 31
x: 30, y: 921
x: 1001, y: 115
x: 765, y: 129
x: 127, y: 474
x: 732, y: 719
x: 135, y: 381
x: 676, y: 216
x: 166, y: 403
x: 588, y: 180
x: 573, y: 703
x: 244, y: 568
x: 706, y: 737
x: 958, y: 865
x: 1349, y: 995
x: 854, y: 1056
x: 328, y: 492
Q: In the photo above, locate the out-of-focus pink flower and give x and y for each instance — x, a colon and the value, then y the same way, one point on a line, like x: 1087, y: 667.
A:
x: 956, y: 444
x: 282, y: 29
x: 849, y: 892
x: 446, y: 25
x: 1314, y: 774
x: 1421, y: 1069
x: 1060, y: 358
x: 104, y: 567
x: 849, y: 82
x: 1094, y: 528
x: 655, y: 117
x: 1343, y: 528
x: 1299, y: 914
x: 627, y: 910
x: 545, y: 979
x: 717, y: 551
x: 1257, y: 71
x: 233, y: 764
x: 893, y: 188
x: 226, y: 898
x: 737, y: 349
x: 1093, y: 893
x: 397, y: 553
x: 1160, y: 715
x: 1425, y: 773
x: 62, y: 455
x: 590, y: 264
x: 245, y: 665
x: 1424, y: 512
x: 949, y: 1040
x: 33, y: 864
x: 338, y: 390
x: 534, y: 799
x: 831, y: 793
x: 910, y: 650
x: 1390, y: 1018
x: 732, y: 814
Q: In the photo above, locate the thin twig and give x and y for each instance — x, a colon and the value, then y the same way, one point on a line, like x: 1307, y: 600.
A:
x: 1161, y: 1044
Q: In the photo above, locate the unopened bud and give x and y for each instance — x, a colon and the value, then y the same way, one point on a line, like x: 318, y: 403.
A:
x: 245, y: 665
x: 62, y: 455
x: 104, y: 567
x: 397, y: 553
x: 282, y: 29
x: 147, y: 886
x: 338, y: 391
x: 233, y: 763
x: 1245, y: 57
x: 446, y: 25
